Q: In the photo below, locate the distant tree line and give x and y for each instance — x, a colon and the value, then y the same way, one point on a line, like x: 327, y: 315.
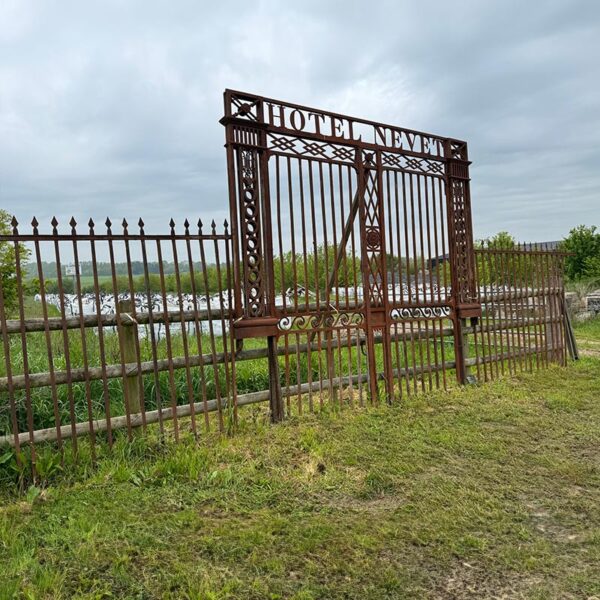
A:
x: 86, y: 268
x: 312, y: 270
x: 582, y: 264
x: 315, y: 269
x: 504, y: 268
x: 202, y: 283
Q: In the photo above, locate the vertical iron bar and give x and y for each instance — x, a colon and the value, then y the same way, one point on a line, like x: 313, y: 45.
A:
x: 153, y: 340
x: 9, y: 377
x: 84, y: 348
x: 48, y: 339
x: 107, y: 412
x: 171, y: 371
x: 23, y: 334
x: 119, y: 327
x: 65, y: 337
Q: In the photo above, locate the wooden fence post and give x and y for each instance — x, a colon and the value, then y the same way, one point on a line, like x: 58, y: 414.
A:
x: 128, y: 333
x: 468, y: 375
x: 276, y: 398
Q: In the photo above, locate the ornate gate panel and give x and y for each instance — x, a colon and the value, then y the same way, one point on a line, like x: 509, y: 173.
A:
x: 353, y: 249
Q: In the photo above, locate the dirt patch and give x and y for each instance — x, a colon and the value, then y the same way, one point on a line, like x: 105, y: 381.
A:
x: 470, y: 581
x: 546, y: 524
x: 593, y: 352
x: 379, y: 504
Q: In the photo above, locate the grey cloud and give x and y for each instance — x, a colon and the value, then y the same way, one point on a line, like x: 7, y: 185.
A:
x: 113, y: 108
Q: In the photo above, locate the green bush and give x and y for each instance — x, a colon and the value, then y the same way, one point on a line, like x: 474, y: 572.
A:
x: 8, y: 259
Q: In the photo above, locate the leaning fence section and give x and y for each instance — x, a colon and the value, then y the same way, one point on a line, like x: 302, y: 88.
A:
x: 522, y: 327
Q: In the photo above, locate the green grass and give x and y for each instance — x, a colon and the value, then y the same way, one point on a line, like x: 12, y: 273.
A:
x: 88, y: 280
x: 34, y: 309
x: 587, y: 334
x: 481, y: 492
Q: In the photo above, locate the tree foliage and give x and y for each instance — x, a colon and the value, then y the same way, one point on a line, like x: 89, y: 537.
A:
x: 506, y: 263
x: 313, y: 270
x: 8, y: 258
x: 493, y: 265
x: 583, y: 244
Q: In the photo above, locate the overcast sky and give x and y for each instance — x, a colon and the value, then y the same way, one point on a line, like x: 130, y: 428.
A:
x: 112, y: 107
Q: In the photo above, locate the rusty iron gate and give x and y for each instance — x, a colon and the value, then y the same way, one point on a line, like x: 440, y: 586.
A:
x: 348, y: 275
x: 375, y: 221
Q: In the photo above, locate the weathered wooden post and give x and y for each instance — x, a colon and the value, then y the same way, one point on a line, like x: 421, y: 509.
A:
x: 467, y: 329
x: 128, y: 333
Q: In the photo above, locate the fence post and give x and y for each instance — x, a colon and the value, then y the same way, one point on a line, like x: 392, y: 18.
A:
x: 461, y: 345
x: 252, y: 232
x: 465, y: 297
x: 128, y: 333
x: 465, y: 330
x: 553, y: 337
x: 276, y: 398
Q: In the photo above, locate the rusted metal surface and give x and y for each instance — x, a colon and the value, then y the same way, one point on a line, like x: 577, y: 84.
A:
x: 522, y: 328
x: 361, y: 209
x: 349, y: 276
x: 72, y: 355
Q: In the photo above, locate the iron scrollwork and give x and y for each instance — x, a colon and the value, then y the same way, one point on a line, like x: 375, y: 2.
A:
x: 319, y: 321
x: 406, y: 313
x: 250, y: 213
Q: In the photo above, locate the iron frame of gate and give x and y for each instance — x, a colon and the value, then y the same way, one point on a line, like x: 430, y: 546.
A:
x: 259, y: 129
x: 520, y: 289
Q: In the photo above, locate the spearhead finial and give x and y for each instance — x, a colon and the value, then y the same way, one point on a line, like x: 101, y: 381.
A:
x: 73, y: 224
x: 54, y: 224
x: 125, y: 225
x: 200, y: 224
x: 108, y: 224
x: 213, y: 226
x: 172, y: 226
x: 186, y: 225
x: 141, y: 225
x: 34, y: 224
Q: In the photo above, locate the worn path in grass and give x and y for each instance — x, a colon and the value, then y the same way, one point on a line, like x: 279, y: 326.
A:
x: 588, y: 337
x: 488, y: 492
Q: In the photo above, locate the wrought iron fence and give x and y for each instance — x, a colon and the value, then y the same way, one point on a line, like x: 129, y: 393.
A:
x: 109, y: 330
x: 523, y: 323
x: 106, y: 331
x: 349, y: 277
